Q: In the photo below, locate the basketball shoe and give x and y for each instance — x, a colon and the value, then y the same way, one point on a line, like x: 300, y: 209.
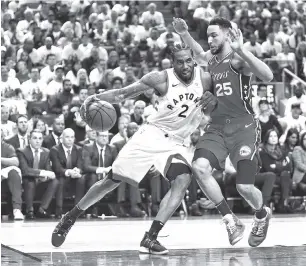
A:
x: 235, y: 228
x: 260, y: 229
x: 62, y: 229
x: 150, y: 245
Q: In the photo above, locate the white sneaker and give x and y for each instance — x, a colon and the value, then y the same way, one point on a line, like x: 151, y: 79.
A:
x: 18, y: 216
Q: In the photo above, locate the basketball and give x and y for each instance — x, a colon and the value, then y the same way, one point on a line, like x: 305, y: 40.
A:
x: 100, y: 116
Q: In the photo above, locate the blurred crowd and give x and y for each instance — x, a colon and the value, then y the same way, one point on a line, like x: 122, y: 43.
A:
x: 56, y: 53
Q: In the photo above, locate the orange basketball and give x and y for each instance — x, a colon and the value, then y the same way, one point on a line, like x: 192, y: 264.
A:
x: 100, y: 115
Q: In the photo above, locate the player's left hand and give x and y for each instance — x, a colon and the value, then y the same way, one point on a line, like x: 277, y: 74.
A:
x: 89, y: 100
x: 235, y: 39
x: 208, y: 102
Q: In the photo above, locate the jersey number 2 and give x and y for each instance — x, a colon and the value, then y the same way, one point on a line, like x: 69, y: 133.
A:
x: 224, y: 89
x: 182, y: 114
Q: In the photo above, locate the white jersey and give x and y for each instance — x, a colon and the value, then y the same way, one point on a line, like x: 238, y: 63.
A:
x: 177, y: 111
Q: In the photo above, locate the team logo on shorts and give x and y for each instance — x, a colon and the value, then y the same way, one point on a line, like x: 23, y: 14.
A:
x: 245, y: 151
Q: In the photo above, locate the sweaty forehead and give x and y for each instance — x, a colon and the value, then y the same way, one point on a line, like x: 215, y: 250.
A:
x: 183, y: 55
x: 214, y: 29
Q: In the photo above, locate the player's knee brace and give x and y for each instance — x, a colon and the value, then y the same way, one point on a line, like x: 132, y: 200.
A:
x: 177, y: 169
x: 208, y: 155
x: 246, y: 172
x: 110, y: 177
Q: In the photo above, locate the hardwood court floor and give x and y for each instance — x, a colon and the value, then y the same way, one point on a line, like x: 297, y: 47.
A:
x: 191, y: 242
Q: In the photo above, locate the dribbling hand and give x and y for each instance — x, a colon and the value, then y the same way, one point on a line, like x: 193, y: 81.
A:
x: 180, y: 25
x: 84, y: 108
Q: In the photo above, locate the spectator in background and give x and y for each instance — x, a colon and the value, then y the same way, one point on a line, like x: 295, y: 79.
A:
x: 162, y: 40
x: 11, y: 173
x: 66, y: 39
x: 55, y: 33
x: 136, y: 116
x: 91, y: 136
x: 8, y: 85
x: 72, y: 74
x: 47, y: 73
x: 297, y: 37
x: 292, y: 140
x: 23, y: 25
x: 274, y: 159
x: 253, y: 46
x: 8, y: 127
x: 299, y: 159
x: 298, y: 98
x: 35, y: 168
x: 75, y: 122
x: 270, y: 47
x: 15, y: 37
x: 41, y: 126
x: 47, y: 24
x: 120, y: 71
x: 86, y: 45
x: 66, y: 159
x: 47, y: 49
x: 82, y: 81
x: 20, y: 140
x: 166, y: 52
x: 122, y: 125
x: 56, y: 84
x: 74, y: 25
x: 90, y: 62
x: 301, y: 59
x: 113, y: 60
x: 56, y: 102
x: 99, y: 32
x: 152, y: 41
x: 140, y: 32
x: 96, y: 75
x: 280, y: 36
x: 112, y: 23
x: 28, y: 47
x: 98, y: 158
x: 33, y: 89
x: 141, y: 54
x: 286, y: 59
x: 73, y: 51
x: 267, y: 119
x: 54, y: 138
x: 156, y: 18
x: 165, y: 64
x: 23, y: 72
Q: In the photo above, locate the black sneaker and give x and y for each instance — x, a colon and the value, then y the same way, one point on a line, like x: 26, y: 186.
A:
x: 61, y: 230
x: 260, y: 229
x: 235, y: 228
x: 151, y: 246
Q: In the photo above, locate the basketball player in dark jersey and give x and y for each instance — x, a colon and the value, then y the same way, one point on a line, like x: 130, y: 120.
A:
x: 233, y: 130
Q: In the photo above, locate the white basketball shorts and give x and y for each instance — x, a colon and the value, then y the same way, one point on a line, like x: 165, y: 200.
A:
x: 149, y: 146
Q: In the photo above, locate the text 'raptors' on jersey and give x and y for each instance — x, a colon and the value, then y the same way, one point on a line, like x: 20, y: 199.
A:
x: 178, y: 112
x: 233, y: 89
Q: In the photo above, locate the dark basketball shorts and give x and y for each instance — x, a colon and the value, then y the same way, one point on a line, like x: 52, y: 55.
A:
x: 237, y: 138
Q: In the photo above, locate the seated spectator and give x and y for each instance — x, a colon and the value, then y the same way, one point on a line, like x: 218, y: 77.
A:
x: 28, y: 47
x: 41, y: 126
x: 134, y: 194
x: 121, y: 70
x: 66, y: 159
x: 122, y: 125
x: 8, y: 127
x: 8, y: 85
x: 296, y: 120
x: 54, y: 138
x: 165, y: 64
x: 152, y: 40
x: 90, y: 62
x: 36, y: 168
x: 162, y: 40
x: 91, y: 136
x: 291, y: 141
x: 286, y: 59
x: 155, y: 17
x: 270, y: 48
x: 298, y: 98
x: 33, y: 89
x: 113, y: 60
x: 56, y: 84
x: 74, y: 25
x: 47, y: 49
x: 86, y: 45
x: 75, y: 122
x: 141, y: 54
x: 23, y: 25
x: 130, y: 76
x: 301, y: 60
x: 20, y: 140
x: 139, y: 32
x: 82, y: 81
x: 47, y: 73
x: 72, y: 74
x: 123, y: 33
x: 136, y: 116
x: 299, y: 159
x: 96, y: 75
x: 121, y: 48
x: 66, y: 40
x: 79, y: 99
x: 274, y: 160
x: 280, y: 36
x: 166, y: 52
x: 56, y: 102
x: 55, y: 32
x: 73, y: 51
x: 267, y: 120
x: 112, y: 23
x: 11, y: 173
x: 98, y: 158
x: 297, y: 37
x: 253, y: 46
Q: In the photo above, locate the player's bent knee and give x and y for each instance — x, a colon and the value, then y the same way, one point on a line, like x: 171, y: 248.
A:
x: 182, y: 181
x: 176, y: 170
x: 207, y: 159
x: 202, y: 167
x: 244, y: 188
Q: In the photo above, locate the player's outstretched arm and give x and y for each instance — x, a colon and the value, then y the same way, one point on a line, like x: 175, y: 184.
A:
x: 248, y: 63
x: 181, y: 28
x: 150, y: 81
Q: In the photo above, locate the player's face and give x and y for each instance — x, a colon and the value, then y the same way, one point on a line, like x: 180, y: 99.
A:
x: 273, y: 138
x: 183, y: 64
x: 216, y: 38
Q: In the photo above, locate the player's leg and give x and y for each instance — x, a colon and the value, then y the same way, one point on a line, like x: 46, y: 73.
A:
x: 179, y: 175
x: 210, y: 147
x: 245, y: 160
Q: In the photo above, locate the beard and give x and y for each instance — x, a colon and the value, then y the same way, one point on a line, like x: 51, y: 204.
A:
x: 217, y: 50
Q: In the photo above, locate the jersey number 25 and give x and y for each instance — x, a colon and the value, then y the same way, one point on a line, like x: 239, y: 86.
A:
x: 224, y: 89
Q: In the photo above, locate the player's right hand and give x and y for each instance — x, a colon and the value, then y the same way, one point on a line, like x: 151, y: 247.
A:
x: 180, y: 25
x: 208, y: 101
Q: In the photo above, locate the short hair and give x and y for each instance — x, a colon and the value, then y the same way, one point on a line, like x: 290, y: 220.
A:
x: 48, y: 56
x: 35, y: 131
x: 20, y: 116
x: 221, y: 22
x: 263, y: 101
x: 115, y: 79
x: 177, y: 47
x: 140, y: 103
x: 66, y: 80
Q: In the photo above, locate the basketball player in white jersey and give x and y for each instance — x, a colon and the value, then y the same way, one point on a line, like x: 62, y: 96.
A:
x: 183, y: 93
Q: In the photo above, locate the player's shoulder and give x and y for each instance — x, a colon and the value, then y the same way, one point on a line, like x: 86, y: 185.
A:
x: 155, y: 77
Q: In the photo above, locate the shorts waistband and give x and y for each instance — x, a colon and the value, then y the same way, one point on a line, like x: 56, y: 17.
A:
x: 232, y: 120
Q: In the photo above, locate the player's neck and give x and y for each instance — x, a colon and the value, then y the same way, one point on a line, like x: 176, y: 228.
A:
x: 225, y: 51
